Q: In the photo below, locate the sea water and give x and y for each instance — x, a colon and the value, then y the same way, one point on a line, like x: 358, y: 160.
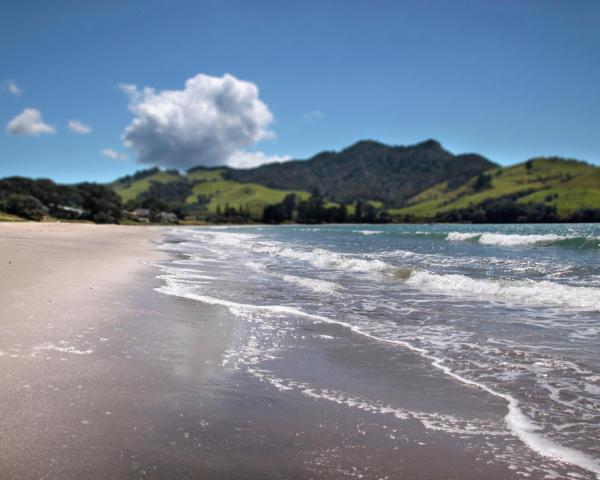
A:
x: 510, y: 310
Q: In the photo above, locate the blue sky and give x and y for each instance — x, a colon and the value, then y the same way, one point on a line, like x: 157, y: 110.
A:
x: 507, y: 79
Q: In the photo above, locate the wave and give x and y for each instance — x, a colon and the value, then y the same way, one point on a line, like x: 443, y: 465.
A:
x: 511, y: 291
x: 462, y: 236
x: 316, y: 285
x: 526, y: 292
x: 326, y: 259
x: 513, y: 240
x: 517, y: 422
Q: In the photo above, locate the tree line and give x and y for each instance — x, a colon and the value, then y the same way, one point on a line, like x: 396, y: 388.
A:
x: 39, y: 198
x: 508, y: 210
x: 36, y: 199
x: 314, y: 210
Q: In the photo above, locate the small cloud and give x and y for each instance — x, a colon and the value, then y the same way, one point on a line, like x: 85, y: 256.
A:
x: 12, y: 88
x: 128, y: 89
x: 313, y: 115
x: 243, y: 159
x: 78, y: 127
x: 29, y: 122
x: 114, y: 155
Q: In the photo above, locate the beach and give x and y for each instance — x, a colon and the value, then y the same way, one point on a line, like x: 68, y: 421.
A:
x: 111, y: 369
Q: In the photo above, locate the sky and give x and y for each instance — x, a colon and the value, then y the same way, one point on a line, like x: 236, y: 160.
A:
x: 97, y: 90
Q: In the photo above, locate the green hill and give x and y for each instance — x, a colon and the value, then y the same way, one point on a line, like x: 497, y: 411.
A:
x: 204, y: 187
x: 568, y: 185
x: 128, y: 188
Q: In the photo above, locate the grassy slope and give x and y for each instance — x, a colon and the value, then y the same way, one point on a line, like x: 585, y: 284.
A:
x: 235, y: 194
x: 7, y: 217
x: 129, y: 192
x: 576, y: 184
x: 223, y: 192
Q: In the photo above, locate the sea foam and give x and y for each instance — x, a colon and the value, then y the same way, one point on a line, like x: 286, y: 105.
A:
x: 512, y: 291
x: 516, y: 240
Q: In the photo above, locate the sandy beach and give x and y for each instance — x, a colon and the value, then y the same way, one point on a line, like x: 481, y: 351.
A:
x: 105, y: 378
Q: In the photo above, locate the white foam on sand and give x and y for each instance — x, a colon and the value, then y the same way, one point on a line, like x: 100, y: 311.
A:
x: 431, y: 421
x: 61, y: 349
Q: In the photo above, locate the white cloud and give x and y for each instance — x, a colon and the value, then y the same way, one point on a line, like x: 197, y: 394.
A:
x: 12, y: 88
x: 210, y: 122
x: 29, y: 122
x: 313, y: 115
x: 78, y: 127
x: 243, y: 159
x: 114, y: 155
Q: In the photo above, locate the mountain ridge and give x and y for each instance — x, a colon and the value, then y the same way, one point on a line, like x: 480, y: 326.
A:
x: 368, y: 170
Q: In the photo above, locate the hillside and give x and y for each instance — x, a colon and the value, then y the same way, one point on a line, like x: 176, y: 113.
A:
x: 568, y: 185
x: 207, y: 189
x: 369, y: 170
x: 414, y: 182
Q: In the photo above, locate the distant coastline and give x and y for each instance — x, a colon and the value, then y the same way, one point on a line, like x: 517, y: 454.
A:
x: 368, y: 182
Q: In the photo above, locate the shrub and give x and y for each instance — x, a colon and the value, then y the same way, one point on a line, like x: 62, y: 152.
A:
x: 25, y: 206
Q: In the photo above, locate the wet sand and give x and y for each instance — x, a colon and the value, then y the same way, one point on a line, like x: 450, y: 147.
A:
x: 104, y: 378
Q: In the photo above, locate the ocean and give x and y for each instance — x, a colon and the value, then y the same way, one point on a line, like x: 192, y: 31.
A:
x: 502, y: 321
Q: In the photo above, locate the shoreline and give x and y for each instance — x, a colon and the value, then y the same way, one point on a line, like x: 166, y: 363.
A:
x: 105, y: 377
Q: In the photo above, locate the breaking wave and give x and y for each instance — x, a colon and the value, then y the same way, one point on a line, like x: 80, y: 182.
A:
x: 510, y: 291
x: 513, y: 240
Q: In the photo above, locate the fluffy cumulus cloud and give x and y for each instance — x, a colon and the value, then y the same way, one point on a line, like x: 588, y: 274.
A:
x: 12, y: 88
x: 29, y: 122
x: 113, y: 155
x: 77, y: 127
x: 212, y: 121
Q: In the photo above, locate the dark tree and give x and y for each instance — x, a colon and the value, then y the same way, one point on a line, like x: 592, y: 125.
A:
x: 25, y: 206
x: 289, y: 205
x: 358, y: 212
x: 483, y: 182
x: 100, y: 204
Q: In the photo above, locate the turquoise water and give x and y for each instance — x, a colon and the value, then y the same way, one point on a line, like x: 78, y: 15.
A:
x: 512, y: 310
